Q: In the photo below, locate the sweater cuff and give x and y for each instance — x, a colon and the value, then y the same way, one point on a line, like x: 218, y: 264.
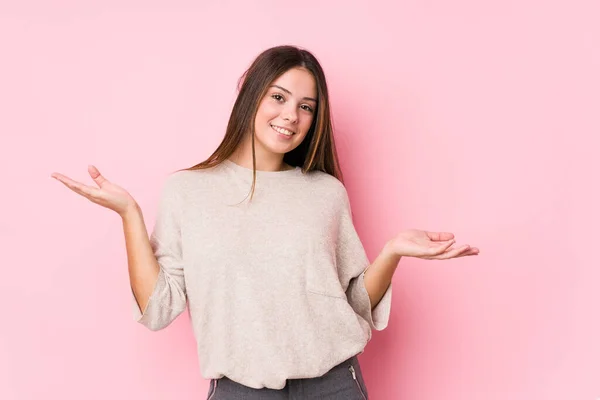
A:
x: 377, y: 318
x: 152, y: 311
x: 380, y: 315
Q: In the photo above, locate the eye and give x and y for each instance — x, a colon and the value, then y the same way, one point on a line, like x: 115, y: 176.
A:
x: 277, y: 96
x: 307, y: 108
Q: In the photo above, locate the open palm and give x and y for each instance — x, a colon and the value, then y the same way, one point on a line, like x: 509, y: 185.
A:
x: 429, y: 245
x: 107, y: 194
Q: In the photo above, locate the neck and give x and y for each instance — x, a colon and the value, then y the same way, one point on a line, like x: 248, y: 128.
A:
x: 265, y: 161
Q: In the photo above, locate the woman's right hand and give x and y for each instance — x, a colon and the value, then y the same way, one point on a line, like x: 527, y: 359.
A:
x: 107, y: 194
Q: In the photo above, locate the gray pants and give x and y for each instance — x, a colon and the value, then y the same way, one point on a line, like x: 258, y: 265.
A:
x: 342, y: 382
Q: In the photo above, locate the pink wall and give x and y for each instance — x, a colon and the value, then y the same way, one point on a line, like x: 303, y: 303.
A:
x: 480, y: 118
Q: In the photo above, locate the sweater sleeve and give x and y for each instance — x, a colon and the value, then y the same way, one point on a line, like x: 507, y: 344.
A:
x: 352, y: 263
x: 168, y: 298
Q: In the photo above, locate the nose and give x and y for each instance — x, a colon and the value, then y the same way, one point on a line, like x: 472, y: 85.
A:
x: 290, y: 114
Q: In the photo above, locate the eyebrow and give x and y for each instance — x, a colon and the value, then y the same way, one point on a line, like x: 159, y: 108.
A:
x: 288, y: 92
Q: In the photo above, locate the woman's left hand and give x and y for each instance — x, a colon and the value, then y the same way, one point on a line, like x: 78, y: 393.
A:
x: 428, y: 245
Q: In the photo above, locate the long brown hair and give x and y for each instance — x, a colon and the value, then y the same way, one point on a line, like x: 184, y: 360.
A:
x: 317, y: 151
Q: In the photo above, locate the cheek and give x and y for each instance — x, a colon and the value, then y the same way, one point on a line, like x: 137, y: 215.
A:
x: 266, y: 112
x: 307, y: 122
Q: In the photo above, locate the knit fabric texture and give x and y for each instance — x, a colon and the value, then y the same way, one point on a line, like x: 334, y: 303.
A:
x: 274, y: 287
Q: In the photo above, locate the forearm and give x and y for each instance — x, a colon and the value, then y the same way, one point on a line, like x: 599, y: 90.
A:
x: 142, y: 264
x: 379, y: 275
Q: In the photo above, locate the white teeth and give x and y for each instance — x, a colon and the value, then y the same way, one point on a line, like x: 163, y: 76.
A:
x: 282, y: 130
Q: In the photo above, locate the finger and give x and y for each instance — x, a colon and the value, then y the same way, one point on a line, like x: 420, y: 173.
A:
x: 442, y: 248
x: 96, y: 175
x: 439, y: 236
x: 451, y: 249
x: 452, y: 253
x: 75, y: 186
x: 470, y: 252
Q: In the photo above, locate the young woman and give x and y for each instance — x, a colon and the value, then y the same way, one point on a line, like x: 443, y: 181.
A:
x: 258, y: 242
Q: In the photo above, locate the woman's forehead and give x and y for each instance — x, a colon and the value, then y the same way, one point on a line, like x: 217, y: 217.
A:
x: 298, y: 82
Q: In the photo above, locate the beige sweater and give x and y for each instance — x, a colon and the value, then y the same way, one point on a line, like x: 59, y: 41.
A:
x: 274, y: 288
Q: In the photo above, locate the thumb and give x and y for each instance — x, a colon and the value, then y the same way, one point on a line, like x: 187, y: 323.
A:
x: 96, y: 175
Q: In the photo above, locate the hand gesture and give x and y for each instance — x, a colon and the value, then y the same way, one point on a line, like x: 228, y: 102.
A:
x: 428, y: 245
x: 107, y: 194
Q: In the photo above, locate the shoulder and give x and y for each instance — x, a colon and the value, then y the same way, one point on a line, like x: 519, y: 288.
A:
x: 329, y: 186
x: 178, y: 180
x: 181, y: 182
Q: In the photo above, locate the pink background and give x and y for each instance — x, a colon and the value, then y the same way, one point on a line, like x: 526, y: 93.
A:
x: 479, y: 118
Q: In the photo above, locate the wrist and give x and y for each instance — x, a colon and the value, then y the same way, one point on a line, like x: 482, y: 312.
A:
x: 388, y: 253
x: 132, y: 211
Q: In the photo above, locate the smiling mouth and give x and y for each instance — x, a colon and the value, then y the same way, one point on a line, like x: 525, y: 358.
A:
x: 281, y: 130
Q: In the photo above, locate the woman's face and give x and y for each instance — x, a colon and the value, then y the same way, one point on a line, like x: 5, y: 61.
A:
x: 285, y: 114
